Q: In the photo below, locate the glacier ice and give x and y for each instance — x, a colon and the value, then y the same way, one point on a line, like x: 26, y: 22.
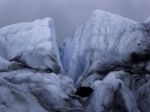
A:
x: 106, y: 41
x: 110, y: 43
x: 29, y: 91
x: 108, y: 54
x: 33, y: 44
x: 112, y: 87
x: 30, y: 68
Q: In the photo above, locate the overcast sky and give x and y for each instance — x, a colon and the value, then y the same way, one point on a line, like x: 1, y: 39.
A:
x: 69, y: 14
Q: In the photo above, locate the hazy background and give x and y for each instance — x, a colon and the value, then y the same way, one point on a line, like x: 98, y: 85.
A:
x: 69, y: 14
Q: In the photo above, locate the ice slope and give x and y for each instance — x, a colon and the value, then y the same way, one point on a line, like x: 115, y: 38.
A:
x: 105, y: 41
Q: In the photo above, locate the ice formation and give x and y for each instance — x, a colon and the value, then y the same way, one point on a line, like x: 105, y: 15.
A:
x: 33, y: 44
x: 103, y: 42
x: 104, y: 67
x: 30, y: 66
x: 111, y: 54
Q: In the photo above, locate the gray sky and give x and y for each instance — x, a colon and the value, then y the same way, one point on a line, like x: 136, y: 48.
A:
x: 69, y: 14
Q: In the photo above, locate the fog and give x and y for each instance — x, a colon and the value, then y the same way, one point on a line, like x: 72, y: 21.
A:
x: 69, y: 14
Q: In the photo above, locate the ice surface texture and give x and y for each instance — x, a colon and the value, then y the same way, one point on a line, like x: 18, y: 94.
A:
x: 28, y: 91
x: 103, y: 42
x: 30, y: 68
x: 33, y: 44
x: 109, y: 56
x: 111, y: 43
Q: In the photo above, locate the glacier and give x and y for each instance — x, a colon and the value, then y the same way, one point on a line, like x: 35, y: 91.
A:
x: 106, y: 41
x: 111, y: 54
x: 33, y: 44
x: 30, y: 68
x: 104, y: 67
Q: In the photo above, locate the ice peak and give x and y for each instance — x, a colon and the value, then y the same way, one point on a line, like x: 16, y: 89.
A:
x: 102, y: 15
x: 109, y: 39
